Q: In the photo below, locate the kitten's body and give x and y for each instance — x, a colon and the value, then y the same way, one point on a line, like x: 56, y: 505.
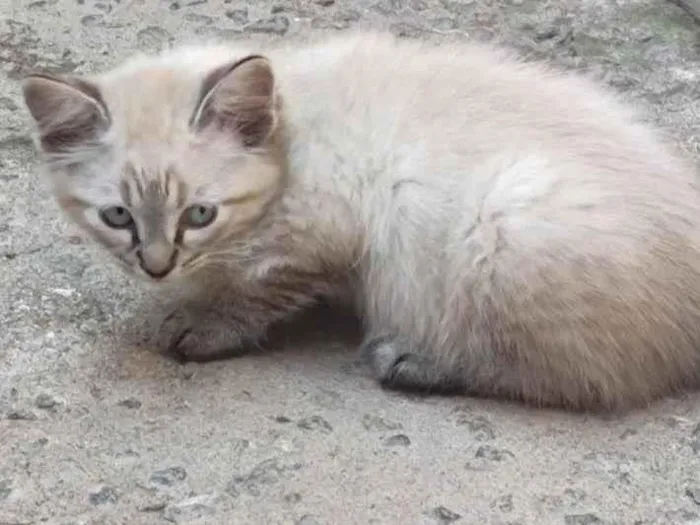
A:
x: 503, y: 229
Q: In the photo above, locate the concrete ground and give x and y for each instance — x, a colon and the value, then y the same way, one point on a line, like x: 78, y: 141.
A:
x: 95, y: 429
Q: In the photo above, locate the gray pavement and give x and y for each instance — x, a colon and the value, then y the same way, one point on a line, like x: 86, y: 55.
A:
x: 97, y: 429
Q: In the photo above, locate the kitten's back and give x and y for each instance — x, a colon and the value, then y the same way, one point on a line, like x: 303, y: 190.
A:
x: 571, y: 268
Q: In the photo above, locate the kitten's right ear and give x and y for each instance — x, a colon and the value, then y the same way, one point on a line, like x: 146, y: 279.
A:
x: 69, y: 112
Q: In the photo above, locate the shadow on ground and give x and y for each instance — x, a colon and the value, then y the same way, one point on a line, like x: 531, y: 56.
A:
x: 97, y: 429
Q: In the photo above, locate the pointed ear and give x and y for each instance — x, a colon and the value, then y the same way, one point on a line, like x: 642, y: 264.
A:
x: 239, y: 98
x: 69, y: 112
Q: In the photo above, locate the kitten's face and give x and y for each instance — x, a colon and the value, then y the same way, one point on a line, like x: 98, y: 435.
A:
x: 168, y: 177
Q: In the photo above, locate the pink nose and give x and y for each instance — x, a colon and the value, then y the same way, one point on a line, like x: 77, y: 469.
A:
x: 157, y: 260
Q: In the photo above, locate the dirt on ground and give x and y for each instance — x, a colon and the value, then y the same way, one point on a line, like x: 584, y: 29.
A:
x: 97, y: 429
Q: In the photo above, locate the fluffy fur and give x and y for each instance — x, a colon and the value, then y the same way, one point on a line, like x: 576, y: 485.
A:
x: 504, y: 229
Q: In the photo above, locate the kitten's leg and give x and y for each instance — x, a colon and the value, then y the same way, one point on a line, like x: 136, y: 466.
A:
x: 210, y: 328
x: 199, y: 332
x: 399, y: 368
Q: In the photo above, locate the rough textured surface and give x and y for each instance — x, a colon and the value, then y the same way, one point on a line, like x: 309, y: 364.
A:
x: 96, y: 429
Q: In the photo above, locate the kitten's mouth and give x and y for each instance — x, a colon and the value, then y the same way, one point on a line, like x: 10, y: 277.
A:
x: 157, y: 276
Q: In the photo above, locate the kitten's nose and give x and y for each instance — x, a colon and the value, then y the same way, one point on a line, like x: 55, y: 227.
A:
x: 157, y: 260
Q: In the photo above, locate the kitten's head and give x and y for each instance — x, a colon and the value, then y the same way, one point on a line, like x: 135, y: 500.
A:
x: 166, y: 165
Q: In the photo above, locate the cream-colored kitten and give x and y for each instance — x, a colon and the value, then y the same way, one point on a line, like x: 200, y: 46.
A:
x: 506, y: 230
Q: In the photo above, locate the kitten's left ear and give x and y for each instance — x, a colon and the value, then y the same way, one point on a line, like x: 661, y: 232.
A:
x: 239, y: 98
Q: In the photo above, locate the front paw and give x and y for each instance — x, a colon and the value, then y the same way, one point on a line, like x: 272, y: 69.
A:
x: 194, y: 334
x: 399, y: 368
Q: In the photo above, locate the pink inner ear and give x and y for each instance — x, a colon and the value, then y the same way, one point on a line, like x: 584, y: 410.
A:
x: 239, y: 98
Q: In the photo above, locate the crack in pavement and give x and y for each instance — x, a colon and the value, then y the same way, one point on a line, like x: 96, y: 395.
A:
x: 12, y: 255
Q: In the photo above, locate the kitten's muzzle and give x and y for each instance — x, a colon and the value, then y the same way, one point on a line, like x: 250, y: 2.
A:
x: 157, y: 260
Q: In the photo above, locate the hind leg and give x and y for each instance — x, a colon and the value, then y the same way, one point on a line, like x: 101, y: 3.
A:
x: 397, y: 367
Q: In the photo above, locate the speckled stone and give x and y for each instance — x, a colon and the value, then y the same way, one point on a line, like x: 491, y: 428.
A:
x: 301, y: 433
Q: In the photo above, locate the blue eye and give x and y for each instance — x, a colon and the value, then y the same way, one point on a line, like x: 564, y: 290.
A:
x: 116, y: 217
x: 199, y: 216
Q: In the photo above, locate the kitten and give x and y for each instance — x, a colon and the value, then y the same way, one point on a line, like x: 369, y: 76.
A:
x: 504, y: 229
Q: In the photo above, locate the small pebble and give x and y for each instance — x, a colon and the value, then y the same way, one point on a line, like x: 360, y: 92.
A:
x: 504, y: 503
x: 546, y: 33
x: 316, y: 423
x: 153, y: 507
x: 629, y: 432
x: 479, y: 427
x: 168, y: 476
x: 130, y: 402
x: 399, y: 440
x: 239, y: 16
x: 199, y: 19
x: 445, y: 515
x: 103, y: 496
x: 21, y: 415
x: 694, y: 494
x: 493, y: 454
x: 268, y: 472
x: 5, y: 489
x: 191, y: 509
x: 695, y: 446
x: 40, y: 443
x: 680, y: 516
x: 371, y: 422
x: 696, y: 431
x: 45, y: 401
x: 278, y: 25
x: 405, y: 30
x: 445, y: 24
x: 582, y: 519
x: 308, y: 520
x: 695, y: 441
x: 292, y: 497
